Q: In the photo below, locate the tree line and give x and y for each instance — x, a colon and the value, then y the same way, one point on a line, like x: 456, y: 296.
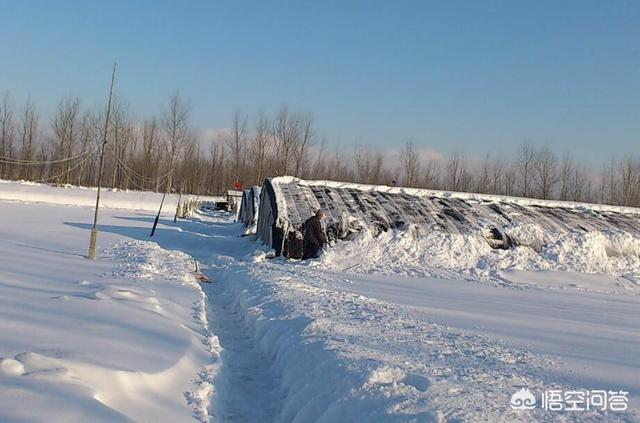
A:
x: 166, y: 153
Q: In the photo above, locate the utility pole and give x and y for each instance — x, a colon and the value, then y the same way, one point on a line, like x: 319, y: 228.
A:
x: 94, y: 229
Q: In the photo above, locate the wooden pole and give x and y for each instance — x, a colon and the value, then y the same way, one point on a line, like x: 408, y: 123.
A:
x: 94, y: 228
x: 155, y: 222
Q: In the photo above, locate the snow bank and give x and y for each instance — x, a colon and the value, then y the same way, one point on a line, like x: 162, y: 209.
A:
x: 414, y: 252
x: 344, y: 356
x: 82, y: 196
x: 292, y: 324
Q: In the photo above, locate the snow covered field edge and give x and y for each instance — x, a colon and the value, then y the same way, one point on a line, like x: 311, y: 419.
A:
x: 121, y: 338
x: 86, y: 196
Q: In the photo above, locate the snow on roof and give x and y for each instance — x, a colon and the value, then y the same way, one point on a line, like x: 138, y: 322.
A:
x: 350, y: 207
x: 423, y: 192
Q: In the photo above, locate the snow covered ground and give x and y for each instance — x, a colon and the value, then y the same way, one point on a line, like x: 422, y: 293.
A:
x: 119, y: 339
x: 367, y: 347
x: 438, y: 330
x: 310, y: 342
x: 84, y: 196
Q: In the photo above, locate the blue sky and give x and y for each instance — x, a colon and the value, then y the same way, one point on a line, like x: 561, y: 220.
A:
x: 472, y: 76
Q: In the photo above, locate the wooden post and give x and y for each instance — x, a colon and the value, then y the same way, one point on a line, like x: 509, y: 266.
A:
x: 155, y: 222
x: 94, y: 229
x: 175, y: 217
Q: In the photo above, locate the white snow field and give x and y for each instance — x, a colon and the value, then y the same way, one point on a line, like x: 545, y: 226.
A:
x: 384, y: 329
x: 86, y: 196
x: 122, y: 338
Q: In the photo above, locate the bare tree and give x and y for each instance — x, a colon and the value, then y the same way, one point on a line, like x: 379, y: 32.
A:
x: 286, y: 133
x: 339, y: 168
x: 431, y: 174
x: 497, y: 172
x: 261, y: 146
x: 303, y: 145
x: 456, y: 172
x: 188, y: 169
x: 236, y: 143
x: 216, y: 169
x: 363, y: 162
x: 409, y: 161
x: 369, y: 165
x: 122, y: 134
x: 509, y: 186
x: 28, y: 133
x: 7, y: 132
x: 524, y: 163
x: 65, y: 129
x: 42, y: 156
x: 320, y: 167
x: 545, y: 171
x: 141, y: 154
x: 609, y: 183
x: 483, y: 180
x: 149, y: 161
x: 90, y: 129
x: 175, y: 124
x: 580, y: 186
x: 630, y: 181
x: 566, y: 171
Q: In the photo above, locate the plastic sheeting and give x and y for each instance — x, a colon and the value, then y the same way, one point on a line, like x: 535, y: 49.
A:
x: 286, y: 202
x: 249, y: 206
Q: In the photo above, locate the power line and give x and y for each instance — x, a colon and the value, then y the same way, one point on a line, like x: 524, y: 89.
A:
x: 133, y: 171
x: 69, y: 170
x: 20, y: 162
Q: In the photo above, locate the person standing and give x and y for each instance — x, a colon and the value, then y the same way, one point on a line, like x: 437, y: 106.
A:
x: 314, y: 237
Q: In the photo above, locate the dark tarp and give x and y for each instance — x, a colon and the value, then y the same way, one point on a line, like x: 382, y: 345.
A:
x: 249, y: 206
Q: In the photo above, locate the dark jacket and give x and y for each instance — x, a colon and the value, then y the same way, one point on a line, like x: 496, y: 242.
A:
x: 314, y: 237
